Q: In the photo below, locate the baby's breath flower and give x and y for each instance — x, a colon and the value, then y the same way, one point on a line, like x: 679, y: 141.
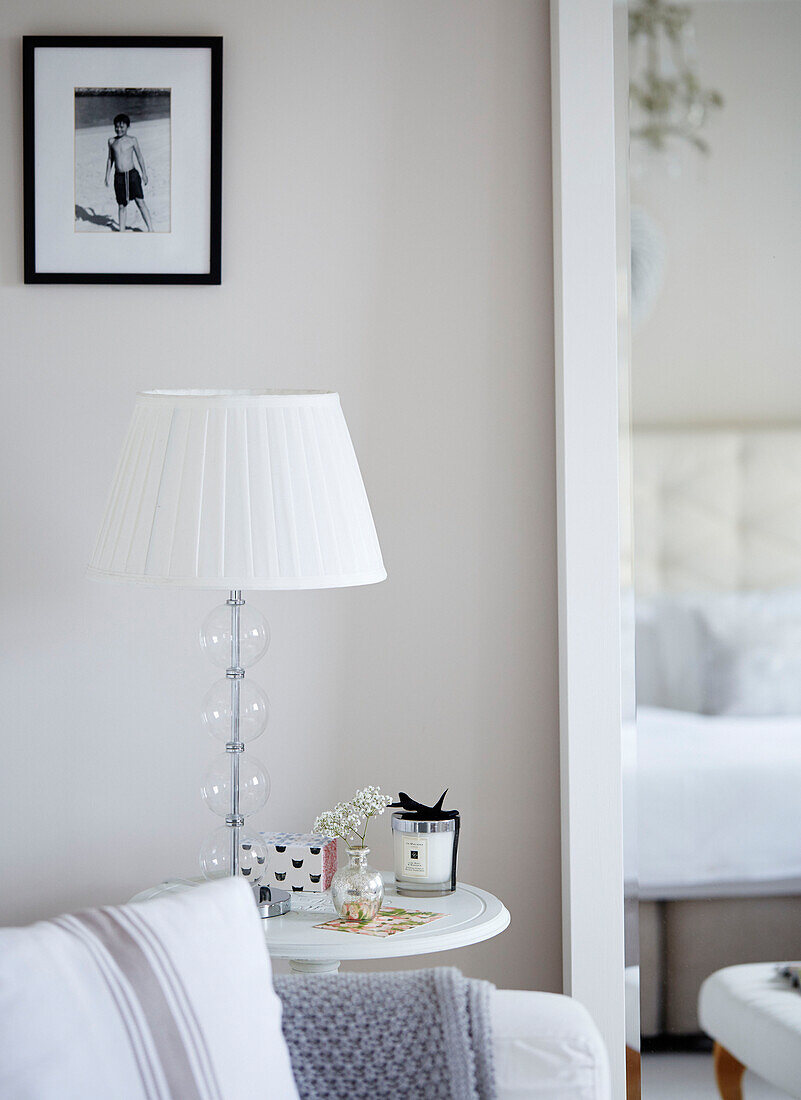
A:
x: 371, y: 801
x: 349, y: 820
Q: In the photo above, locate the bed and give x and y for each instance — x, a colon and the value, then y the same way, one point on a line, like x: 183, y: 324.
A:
x: 712, y: 776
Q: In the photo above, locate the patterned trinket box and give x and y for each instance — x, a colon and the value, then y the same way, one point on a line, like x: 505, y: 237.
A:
x: 300, y: 861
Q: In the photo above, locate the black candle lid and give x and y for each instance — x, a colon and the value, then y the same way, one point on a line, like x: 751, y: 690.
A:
x: 416, y: 811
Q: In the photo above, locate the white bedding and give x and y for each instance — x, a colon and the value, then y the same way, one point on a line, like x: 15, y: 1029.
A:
x: 718, y: 804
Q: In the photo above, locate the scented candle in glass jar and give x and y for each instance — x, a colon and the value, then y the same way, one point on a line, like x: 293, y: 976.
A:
x: 425, y: 854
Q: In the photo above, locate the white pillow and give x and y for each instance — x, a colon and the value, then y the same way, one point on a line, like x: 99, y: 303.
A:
x: 730, y: 614
x: 756, y: 677
x: 671, y: 653
x: 165, y: 998
x: 735, y: 653
x: 754, y: 660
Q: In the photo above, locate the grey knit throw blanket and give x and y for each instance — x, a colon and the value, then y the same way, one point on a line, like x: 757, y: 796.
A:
x: 419, y: 1033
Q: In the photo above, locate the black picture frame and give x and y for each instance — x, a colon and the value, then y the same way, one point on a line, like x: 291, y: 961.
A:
x: 37, y: 271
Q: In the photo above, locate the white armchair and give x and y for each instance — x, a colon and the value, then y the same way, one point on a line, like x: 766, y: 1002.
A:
x: 547, y: 1046
x: 172, y: 999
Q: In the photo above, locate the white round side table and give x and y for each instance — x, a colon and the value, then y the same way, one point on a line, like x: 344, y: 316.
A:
x: 471, y: 915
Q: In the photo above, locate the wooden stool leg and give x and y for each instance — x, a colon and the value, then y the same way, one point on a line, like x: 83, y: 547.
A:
x: 728, y: 1074
x: 633, y: 1085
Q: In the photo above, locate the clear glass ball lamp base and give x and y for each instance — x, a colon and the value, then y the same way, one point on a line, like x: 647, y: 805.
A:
x: 235, y: 636
x: 215, y: 856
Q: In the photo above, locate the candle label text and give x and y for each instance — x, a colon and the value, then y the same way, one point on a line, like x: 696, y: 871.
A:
x: 415, y: 856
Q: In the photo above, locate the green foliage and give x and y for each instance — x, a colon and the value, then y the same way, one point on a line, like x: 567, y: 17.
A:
x: 666, y: 93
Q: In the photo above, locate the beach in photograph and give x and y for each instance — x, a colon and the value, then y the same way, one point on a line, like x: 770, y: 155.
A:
x: 95, y: 204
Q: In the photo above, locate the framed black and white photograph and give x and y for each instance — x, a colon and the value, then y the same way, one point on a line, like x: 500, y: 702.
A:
x: 122, y: 149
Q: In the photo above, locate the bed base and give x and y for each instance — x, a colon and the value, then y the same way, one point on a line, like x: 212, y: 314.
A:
x: 682, y: 942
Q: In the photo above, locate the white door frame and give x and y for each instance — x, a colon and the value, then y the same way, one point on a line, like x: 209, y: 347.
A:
x: 585, y: 308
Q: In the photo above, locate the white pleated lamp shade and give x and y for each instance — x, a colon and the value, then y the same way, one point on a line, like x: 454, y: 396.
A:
x: 238, y: 490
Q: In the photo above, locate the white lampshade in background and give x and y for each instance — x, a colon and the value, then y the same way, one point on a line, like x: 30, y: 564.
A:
x: 238, y: 490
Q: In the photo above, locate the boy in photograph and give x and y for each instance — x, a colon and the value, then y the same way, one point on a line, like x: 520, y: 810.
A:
x: 127, y: 181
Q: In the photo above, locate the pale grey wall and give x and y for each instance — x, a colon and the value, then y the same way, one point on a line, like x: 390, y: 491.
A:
x: 387, y: 233
x: 723, y: 343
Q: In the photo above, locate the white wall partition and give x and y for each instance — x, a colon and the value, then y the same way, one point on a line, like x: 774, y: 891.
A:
x: 587, y: 470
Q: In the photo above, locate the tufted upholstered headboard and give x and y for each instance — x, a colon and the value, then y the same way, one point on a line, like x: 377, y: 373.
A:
x: 716, y: 508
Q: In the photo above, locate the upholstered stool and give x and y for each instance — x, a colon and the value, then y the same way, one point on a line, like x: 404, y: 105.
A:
x: 754, y: 1018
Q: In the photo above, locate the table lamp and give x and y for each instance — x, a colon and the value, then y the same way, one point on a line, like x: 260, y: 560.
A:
x: 236, y: 490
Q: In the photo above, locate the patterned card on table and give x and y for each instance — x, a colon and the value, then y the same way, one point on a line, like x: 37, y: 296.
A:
x: 387, y: 923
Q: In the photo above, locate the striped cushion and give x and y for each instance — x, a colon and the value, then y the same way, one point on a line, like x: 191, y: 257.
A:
x: 170, y: 998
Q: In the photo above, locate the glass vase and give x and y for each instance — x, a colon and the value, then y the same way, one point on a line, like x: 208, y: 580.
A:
x: 357, y: 890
